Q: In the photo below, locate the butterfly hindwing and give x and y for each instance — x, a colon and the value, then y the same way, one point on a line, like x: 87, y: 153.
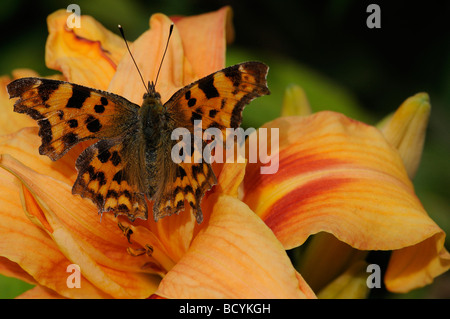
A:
x: 68, y: 113
x: 190, y: 181
x: 103, y: 177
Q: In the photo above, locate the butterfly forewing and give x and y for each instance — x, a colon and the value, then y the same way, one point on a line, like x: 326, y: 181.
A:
x: 219, y: 99
x: 69, y: 113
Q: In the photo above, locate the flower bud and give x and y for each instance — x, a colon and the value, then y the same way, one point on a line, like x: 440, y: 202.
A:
x: 405, y: 130
x: 295, y: 102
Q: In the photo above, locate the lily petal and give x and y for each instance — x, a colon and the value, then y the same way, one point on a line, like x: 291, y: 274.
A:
x: 175, y: 233
x: 147, y: 51
x: 87, y: 55
x: 100, y: 249
x: 9, y: 268
x: 28, y: 248
x: 230, y: 178
x: 183, y: 62
x: 204, y: 40
x: 417, y: 265
x: 235, y: 256
x: 23, y: 144
x: 339, y: 176
x: 326, y: 182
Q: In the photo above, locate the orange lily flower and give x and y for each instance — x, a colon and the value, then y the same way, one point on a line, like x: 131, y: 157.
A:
x: 344, y: 178
x: 46, y: 229
x: 324, y: 183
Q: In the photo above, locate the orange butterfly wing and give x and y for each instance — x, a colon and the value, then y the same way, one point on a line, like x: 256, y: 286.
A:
x: 68, y: 114
x: 103, y: 176
x: 218, y: 101
x: 219, y: 98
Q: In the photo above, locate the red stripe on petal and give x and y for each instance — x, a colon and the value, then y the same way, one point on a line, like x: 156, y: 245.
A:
x: 290, y: 164
x: 292, y: 206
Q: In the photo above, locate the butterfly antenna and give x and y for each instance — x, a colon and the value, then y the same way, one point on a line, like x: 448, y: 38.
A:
x: 165, y: 50
x: 126, y: 43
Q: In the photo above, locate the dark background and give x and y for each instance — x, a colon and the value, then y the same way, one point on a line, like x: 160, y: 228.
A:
x: 408, y: 54
x: 378, y: 68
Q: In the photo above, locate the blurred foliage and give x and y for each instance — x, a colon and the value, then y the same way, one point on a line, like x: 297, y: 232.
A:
x: 12, y: 287
x: 323, y: 46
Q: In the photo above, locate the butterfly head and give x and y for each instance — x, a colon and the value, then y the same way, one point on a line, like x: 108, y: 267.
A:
x: 152, y: 99
x: 151, y: 94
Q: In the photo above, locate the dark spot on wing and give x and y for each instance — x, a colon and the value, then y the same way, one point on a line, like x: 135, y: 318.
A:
x: 79, y: 96
x: 99, y: 108
x: 93, y: 124
x: 207, y: 86
x: 72, y: 123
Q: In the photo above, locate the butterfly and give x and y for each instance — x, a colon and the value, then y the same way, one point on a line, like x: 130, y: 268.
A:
x: 131, y: 159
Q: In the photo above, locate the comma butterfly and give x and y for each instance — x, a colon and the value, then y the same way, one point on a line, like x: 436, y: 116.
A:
x: 132, y: 158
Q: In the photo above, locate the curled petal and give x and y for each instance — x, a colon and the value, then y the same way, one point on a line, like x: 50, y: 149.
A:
x: 30, y: 254
x: 87, y: 55
x: 99, y: 248
x: 417, y: 265
x: 196, y: 49
x: 234, y: 256
x: 204, y: 40
x: 147, y: 51
x: 340, y: 176
x: 23, y: 144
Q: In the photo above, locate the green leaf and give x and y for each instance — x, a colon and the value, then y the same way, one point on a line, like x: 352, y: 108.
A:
x: 12, y: 287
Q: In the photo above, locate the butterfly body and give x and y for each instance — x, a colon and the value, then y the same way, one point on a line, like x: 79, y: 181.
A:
x: 131, y: 161
x: 156, y: 125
